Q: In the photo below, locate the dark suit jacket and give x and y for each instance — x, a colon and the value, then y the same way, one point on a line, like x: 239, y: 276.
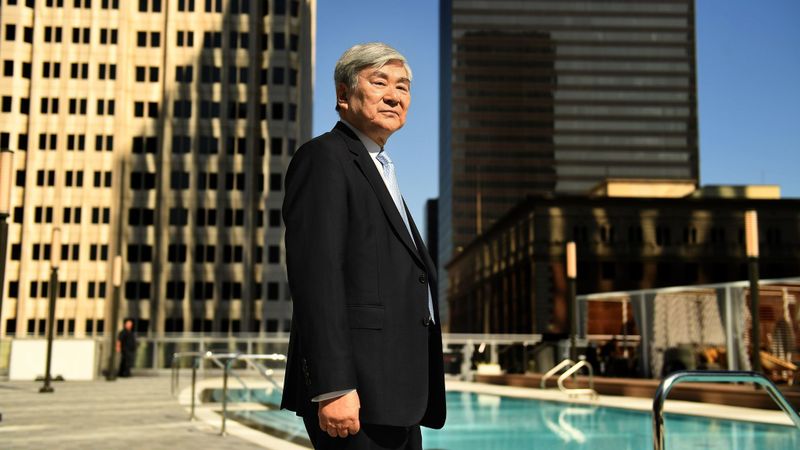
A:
x: 360, y: 290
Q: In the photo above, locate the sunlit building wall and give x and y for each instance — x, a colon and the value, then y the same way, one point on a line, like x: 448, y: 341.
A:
x: 159, y: 131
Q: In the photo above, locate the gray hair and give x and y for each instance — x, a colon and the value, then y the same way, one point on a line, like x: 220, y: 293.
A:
x: 360, y: 56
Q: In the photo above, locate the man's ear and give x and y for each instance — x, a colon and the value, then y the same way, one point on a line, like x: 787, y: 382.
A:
x: 341, y: 96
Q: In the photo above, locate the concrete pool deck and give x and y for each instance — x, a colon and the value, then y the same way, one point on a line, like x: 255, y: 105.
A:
x: 130, y: 413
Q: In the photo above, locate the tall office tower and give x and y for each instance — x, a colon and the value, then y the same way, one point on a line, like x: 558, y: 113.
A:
x: 158, y: 131
x: 553, y: 97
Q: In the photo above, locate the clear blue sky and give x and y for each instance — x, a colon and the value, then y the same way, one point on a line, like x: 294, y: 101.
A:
x: 748, y: 59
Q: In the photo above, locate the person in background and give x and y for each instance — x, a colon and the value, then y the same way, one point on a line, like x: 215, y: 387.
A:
x: 126, y: 346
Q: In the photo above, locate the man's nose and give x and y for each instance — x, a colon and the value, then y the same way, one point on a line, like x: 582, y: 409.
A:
x: 391, y: 97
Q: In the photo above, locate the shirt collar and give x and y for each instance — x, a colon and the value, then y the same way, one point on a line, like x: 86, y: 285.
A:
x: 371, y: 145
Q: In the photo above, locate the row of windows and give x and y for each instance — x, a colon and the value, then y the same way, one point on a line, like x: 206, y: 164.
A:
x: 179, y: 180
x: 69, y: 252
x: 71, y: 215
x: 177, y: 253
x: 60, y: 328
x: 77, y: 4
x: 55, y: 35
x: 72, y: 178
x: 210, y: 74
x: 213, y: 39
x: 49, y: 141
x: 176, y: 290
x: 151, y: 6
x: 78, y: 71
x: 77, y: 106
x: 664, y: 235
x: 238, y: 6
x: 203, y: 217
x: 67, y: 289
x: 171, y: 325
x: 236, y: 110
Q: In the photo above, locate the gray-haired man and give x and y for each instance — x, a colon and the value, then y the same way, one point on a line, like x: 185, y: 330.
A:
x: 365, y: 357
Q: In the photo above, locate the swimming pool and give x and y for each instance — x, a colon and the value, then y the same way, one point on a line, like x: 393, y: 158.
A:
x: 492, y: 422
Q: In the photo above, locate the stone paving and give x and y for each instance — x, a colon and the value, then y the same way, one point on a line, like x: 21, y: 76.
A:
x: 131, y: 413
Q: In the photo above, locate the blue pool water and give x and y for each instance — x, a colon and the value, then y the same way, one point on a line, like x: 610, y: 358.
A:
x: 490, y: 422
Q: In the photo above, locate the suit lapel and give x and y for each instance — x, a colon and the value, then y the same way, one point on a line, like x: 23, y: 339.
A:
x: 423, y: 250
x: 369, y: 170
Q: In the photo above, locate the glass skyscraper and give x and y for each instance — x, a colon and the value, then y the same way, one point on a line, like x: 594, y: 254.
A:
x: 553, y: 97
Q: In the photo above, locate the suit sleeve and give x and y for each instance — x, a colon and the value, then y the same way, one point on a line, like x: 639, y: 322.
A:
x: 315, y: 212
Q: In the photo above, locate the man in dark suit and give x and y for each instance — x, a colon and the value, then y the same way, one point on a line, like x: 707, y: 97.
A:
x: 365, y: 363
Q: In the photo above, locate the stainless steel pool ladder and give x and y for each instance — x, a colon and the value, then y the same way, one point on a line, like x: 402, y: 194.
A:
x: 578, y: 391
x: 712, y: 376
x: 249, y: 359
x: 560, y: 366
x: 571, y: 368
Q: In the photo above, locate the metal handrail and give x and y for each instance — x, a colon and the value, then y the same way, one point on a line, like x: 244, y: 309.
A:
x: 565, y: 363
x: 175, y: 380
x: 578, y: 391
x: 712, y: 376
x: 248, y: 359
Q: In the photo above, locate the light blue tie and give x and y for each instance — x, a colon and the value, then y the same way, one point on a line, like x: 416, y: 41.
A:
x: 390, y: 179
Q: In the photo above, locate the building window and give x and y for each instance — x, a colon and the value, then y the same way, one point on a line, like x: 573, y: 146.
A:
x: 184, y: 74
x: 185, y: 38
x: 273, y: 254
x: 274, y: 218
x: 144, y: 217
x: 212, y: 39
x: 663, y: 237
x: 275, y: 182
x: 178, y: 217
x: 143, y: 180
x: 186, y: 5
x: 210, y: 74
x: 176, y: 253
x: 149, y: 5
x: 234, y: 217
x: 145, y: 144
x: 176, y: 290
x: 139, y: 253
x: 179, y: 180
x: 137, y: 290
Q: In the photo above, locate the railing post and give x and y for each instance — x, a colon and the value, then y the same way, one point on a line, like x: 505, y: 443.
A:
x: 173, y: 383
x: 194, y: 382
x: 224, y: 396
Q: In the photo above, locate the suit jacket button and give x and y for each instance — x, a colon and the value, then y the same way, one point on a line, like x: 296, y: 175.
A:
x: 423, y: 279
x: 426, y: 322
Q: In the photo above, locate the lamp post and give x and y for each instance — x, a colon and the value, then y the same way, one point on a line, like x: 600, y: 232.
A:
x: 6, y: 171
x: 751, y: 243
x: 572, y: 309
x: 116, y: 282
x: 55, y: 261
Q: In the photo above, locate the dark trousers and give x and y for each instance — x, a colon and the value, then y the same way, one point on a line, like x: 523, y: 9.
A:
x: 126, y: 363
x: 371, y: 437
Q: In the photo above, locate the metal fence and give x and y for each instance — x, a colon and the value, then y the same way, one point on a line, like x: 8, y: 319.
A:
x: 675, y: 324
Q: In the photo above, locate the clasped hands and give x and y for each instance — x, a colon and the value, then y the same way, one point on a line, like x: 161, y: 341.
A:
x: 339, y: 416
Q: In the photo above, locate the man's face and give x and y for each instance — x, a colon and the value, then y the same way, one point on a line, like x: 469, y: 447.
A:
x: 129, y: 325
x: 378, y: 105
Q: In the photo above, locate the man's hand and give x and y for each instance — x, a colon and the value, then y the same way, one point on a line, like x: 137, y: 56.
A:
x: 339, y: 416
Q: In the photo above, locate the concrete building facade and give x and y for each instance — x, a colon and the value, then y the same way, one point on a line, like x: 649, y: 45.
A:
x: 158, y: 131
